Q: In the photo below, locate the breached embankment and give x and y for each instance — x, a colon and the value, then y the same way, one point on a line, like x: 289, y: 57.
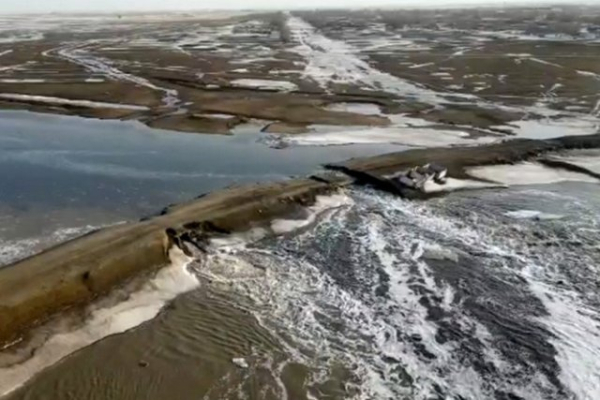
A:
x: 79, y: 271
x: 460, y: 162
x: 75, y: 273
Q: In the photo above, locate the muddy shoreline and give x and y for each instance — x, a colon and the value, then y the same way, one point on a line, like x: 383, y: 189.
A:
x: 208, y: 73
x: 77, y: 272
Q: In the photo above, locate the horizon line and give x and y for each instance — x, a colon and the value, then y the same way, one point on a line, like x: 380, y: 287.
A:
x: 456, y: 5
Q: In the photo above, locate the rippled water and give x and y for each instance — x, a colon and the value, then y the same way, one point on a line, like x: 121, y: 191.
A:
x: 465, y: 297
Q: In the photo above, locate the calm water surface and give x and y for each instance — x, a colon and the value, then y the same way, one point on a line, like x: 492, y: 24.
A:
x: 64, y: 175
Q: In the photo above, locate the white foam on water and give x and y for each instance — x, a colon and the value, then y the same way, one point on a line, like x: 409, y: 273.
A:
x: 527, y: 173
x: 411, y: 315
x: 225, y: 268
x: 14, y: 250
x: 453, y: 184
x: 5, y: 52
x: 445, y: 371
x: 322, y: 204
x: 577, y: 331
x: 596, y: 111
x: 293, y: 296
x: 140, y: 306
x: 576, y: 326
x: 285, y: 298
x: 532, y: 214
x: 68, y: 102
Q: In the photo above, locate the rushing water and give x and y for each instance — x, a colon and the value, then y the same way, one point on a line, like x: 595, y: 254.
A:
x: 489, y: 294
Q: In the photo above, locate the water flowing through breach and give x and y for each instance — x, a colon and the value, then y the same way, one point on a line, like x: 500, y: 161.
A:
x: 488, y: 294
x: 459, y: 298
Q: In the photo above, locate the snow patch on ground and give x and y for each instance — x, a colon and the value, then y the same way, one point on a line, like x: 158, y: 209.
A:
x: 24, y: 37
x: 587, y: 73
x: 264, y: 84
x: 355, y: 108
x: 217, y: 116
x: 548, y: 128
x: 417, y: 66
x: 68, y: 102
x: 335, y: 62
x: 588, y: 159
x: 527, y: 173
x: 418, y: 137
x: 79, y: 55
x: 240, y: 362
x: 22, y: 80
